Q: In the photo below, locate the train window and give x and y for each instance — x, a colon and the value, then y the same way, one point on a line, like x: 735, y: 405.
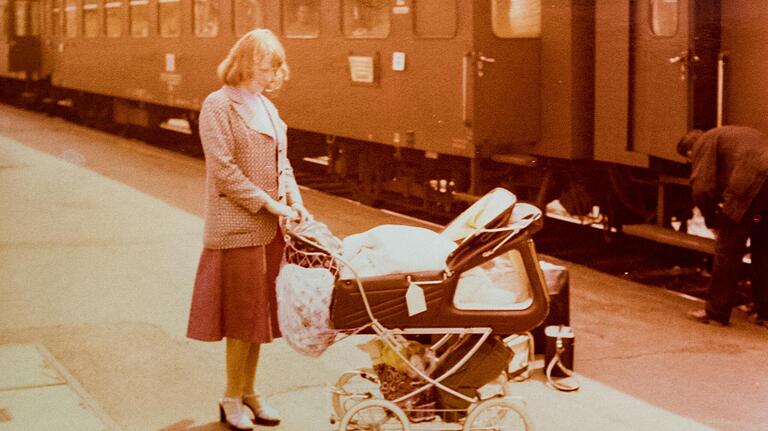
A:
x: 664, y: 17
x: 249, y: 14
x: 17, y: 13
x: 90, y: 18
x: 434, y: 18
x: 301, y: 19
x: 26, y: 18
x: 3, y: 30
x: 113, y: 18
x: 70, y: 18
x: 366, y: 19
x: 206, y: 18
x: 139, y: 18
x: 56, y: 18
x: 169, y: 17
x: 516, y: 18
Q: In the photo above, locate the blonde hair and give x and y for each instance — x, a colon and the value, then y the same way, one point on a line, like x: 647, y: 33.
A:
x: 248, y: 53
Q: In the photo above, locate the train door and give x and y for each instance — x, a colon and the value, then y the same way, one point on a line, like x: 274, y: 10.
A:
x: 24, y: 35
x: 506, y: 75
x: 670, y: 62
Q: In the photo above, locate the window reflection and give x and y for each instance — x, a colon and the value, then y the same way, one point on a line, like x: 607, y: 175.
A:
x: 169, y: 17
x: 20, y: 18
x: 366, y: 18
x: 139, y: 15
x: 90, y: 18
x: 56, y: 17
x: 113, y: 22
x: 70, y: 18
x: 249, y: 14
x: 516, y: 18
x: 301, y: 18
x: 206, y: 18
x: 664, y: 17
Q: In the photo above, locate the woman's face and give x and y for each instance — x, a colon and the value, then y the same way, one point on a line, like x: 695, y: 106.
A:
x: 263, y: 76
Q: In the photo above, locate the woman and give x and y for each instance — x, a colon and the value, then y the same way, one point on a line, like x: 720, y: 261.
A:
x: 249, y: 186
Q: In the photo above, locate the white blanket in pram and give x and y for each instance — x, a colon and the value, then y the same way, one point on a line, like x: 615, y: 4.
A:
x: 393, y: 249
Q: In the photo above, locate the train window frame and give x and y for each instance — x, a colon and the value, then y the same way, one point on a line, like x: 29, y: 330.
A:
x: 284, y: 27
x: 207, y: 32
x: 161, y: 19
x: 238, y: 31
x: 70, y: 5
x: 415, y: 21
x: 653, y: 23
x: 535, y: 33
x: 97, y: 6
x: 132, y: 7
x: 363, y: 32
x: 107, y: 7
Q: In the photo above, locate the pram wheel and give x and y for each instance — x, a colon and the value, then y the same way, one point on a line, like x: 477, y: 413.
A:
x: 375, y: 415
x: 498, y: 414
x: 352, y: 387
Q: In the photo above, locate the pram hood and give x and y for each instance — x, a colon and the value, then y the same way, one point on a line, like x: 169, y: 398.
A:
x: 483, y: 228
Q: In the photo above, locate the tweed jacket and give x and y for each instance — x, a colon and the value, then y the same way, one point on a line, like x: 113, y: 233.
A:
x: 245, y: 164
x: 730, y: 166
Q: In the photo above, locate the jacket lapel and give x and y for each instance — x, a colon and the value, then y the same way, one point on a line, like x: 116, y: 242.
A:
x: 255, y: 122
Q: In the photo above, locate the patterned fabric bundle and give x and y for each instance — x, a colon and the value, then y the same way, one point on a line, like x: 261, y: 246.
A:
x: 303, y: 308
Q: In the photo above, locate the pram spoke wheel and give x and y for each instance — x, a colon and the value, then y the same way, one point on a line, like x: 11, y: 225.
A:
x: 375, y: 415
x: 353, y: 387
x: 498, y: 414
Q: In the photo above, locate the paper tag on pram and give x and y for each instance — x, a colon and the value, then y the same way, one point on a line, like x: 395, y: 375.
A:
x: 414, y: 298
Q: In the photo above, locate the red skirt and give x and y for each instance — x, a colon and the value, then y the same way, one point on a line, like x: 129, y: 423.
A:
x: 234, y: 294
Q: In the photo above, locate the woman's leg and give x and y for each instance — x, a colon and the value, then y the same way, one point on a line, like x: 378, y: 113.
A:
x: 263, y: 413
x: 249, y: 370
x: 237, y: 360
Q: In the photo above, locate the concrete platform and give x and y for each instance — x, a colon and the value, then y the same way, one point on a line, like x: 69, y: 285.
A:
x: 36, y: 393
x: 99, y: 240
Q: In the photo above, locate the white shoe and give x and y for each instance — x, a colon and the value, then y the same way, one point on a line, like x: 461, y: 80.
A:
x: 232, y: 412
x: 263, y: 413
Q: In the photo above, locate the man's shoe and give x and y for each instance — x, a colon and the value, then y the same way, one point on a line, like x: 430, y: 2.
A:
x: 757, y: 320
x: 701, y: 317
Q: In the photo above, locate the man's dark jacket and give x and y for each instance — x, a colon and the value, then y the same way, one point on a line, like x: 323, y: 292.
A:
x: 730, y: 165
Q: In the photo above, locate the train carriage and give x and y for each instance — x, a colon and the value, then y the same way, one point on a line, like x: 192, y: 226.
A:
x: 438, y: 100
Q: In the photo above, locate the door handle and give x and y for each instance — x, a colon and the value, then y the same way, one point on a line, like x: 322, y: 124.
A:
x: 481, y: 60
x: 684, y: 59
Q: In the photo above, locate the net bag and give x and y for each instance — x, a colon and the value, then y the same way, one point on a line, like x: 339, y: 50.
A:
x: 305, y: 288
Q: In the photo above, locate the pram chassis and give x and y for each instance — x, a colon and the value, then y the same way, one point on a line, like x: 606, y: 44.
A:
x: 439, y: 291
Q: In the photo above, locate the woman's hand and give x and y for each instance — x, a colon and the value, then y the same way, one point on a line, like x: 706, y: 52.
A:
x: 303, y: 213
x: 282, y: 210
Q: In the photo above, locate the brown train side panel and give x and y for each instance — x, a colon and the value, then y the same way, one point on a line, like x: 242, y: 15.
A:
x: 419, y: 107
x: 612, y: 44
x: 567, y: 79
x: 506, y: 114
x: 745, y: 39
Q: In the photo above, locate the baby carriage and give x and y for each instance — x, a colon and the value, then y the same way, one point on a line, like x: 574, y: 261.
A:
x: 437, y: 388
